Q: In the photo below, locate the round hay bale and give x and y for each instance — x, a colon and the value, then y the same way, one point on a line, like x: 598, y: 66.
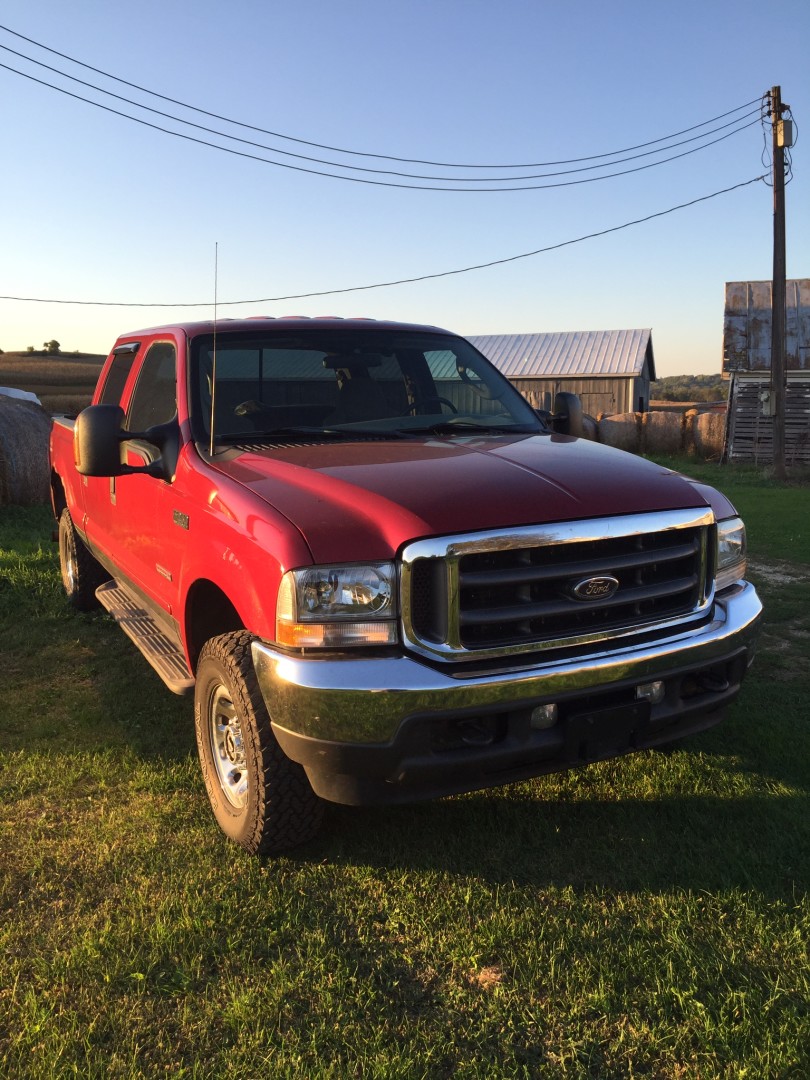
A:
x: 24, y: 470
x: 709, y: 434
x: 663, y: 433
x: 620, y: 431
x: 589, y: 428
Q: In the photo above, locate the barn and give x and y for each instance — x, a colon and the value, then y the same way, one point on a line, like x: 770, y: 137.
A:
x: 611, y: 370
x: 747, y: 363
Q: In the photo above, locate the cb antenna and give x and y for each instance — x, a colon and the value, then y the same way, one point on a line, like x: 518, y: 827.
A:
x: 214, y: 353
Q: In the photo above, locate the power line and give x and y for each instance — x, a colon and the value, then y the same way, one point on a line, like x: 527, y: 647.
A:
x: 363, y: 168
x: 359, y: 153
x: 399, y: 281
x: 366, y: 180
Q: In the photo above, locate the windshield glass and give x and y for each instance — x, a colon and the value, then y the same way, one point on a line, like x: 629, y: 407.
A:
x: 349, y: 381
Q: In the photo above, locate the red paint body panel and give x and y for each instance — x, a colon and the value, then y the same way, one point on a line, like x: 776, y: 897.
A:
x: 365, y: 500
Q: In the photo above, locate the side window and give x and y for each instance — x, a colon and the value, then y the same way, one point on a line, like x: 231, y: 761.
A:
x: 117, y: 376
x: 154, y: 400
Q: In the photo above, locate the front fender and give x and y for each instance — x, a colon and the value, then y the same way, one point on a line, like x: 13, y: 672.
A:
x: 242, y: 548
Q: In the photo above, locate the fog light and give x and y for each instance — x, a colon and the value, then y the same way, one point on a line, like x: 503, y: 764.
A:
x: 650, y: 691
x: 544, y: 716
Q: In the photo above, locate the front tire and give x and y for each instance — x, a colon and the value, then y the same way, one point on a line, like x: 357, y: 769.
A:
x: 261, y: 799
x: 81, y: 574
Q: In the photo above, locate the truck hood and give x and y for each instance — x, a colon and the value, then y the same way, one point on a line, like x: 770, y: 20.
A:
x: 362, y: 500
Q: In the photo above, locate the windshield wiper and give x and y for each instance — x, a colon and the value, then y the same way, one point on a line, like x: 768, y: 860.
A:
x: 268, y: 433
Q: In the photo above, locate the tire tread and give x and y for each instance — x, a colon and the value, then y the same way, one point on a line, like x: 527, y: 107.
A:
x: 285, y: 812
x: 89, y: 573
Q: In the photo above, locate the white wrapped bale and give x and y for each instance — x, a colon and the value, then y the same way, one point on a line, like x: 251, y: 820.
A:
x: 24, y: 471
x: 22, y: 395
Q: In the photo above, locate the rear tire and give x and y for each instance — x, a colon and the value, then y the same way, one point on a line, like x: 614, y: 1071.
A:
x: 260, y: 799
x: 81, y: 574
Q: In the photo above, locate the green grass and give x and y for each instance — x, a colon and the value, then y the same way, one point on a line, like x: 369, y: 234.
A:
x: 642, y: 917
x: 777, y: 516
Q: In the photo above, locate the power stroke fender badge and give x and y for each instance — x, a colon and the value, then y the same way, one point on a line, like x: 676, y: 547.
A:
x: 595, y: 588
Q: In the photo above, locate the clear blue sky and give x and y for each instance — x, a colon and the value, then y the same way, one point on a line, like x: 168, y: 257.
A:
x: 96, y: 207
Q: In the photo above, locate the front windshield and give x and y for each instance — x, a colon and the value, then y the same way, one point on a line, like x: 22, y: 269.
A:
x: 348, y: 381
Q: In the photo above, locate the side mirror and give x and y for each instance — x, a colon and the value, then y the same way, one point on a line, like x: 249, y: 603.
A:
x: 567, y: 416
x: 98, y: 438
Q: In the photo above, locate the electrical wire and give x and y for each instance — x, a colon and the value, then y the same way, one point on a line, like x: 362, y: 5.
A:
x: 788, y: 149
x: 399, y: 281
x: 362, y: 168
x: 361, y: 153
x: 366, y: 180
x: 765, y: 156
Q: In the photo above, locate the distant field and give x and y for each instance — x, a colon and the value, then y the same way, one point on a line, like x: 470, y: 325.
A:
x: 64, y: 384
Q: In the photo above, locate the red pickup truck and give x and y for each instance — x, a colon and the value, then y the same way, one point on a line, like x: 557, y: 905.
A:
x: 382, y: 574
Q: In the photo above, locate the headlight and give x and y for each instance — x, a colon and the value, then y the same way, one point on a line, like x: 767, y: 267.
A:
x: 731, y: 551
x: 337, y: 606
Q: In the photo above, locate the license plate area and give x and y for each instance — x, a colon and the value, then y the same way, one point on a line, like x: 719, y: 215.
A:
x: 600, y: 733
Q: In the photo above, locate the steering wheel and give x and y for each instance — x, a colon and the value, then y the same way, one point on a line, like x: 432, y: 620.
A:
x: 419, y: 402
x: 247, y: 408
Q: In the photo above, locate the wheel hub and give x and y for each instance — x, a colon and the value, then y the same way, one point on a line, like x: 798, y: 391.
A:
x: 68, y: 562
x: 227, y: 748
x: 233, y: 746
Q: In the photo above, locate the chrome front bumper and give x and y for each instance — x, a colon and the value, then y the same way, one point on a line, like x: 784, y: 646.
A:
x: 344, y: 716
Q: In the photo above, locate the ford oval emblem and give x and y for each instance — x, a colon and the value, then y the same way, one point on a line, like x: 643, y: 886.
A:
x: 595, y: 588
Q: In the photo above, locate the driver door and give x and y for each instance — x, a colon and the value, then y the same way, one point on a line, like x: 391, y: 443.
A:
x: 144, y: 505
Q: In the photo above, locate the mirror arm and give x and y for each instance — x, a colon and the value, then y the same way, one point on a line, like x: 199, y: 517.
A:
x: 166, y: 438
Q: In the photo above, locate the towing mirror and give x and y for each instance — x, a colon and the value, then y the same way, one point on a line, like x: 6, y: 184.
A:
x: 98, y: 439
x: 567, y: 416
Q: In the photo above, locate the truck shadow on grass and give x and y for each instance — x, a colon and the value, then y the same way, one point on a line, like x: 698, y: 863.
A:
x: 698, y: 842
x: 723, y: 810
x: 727, y: 808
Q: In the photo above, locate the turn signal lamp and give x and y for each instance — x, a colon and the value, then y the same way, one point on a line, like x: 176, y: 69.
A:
x: 731, y: 552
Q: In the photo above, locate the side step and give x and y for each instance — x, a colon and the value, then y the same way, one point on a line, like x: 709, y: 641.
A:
x: 162, y: 652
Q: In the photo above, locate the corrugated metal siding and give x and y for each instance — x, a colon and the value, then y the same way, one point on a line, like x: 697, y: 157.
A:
x: 747, y: 326
x: 750, y: 435
x: 607, y: 396
x: 577, y: 354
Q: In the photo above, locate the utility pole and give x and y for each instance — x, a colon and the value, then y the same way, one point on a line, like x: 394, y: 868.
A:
x: 778, y: 284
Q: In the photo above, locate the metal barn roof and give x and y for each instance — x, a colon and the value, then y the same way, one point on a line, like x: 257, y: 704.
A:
x: 578, y: 354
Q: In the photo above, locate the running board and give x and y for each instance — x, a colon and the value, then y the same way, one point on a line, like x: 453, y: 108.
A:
x: 163, y: 653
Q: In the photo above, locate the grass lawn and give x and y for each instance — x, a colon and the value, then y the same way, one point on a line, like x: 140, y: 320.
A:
x: 646, y: 917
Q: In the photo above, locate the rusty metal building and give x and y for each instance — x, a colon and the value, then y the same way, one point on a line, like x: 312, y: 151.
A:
x: 611, y: 370
x: 747, y: 363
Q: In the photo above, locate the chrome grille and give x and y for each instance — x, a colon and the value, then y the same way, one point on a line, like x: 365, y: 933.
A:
x: 493, y: 594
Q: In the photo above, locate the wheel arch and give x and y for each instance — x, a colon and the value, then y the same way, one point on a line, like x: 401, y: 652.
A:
x: 209, y: 612
x: 58, y: 496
